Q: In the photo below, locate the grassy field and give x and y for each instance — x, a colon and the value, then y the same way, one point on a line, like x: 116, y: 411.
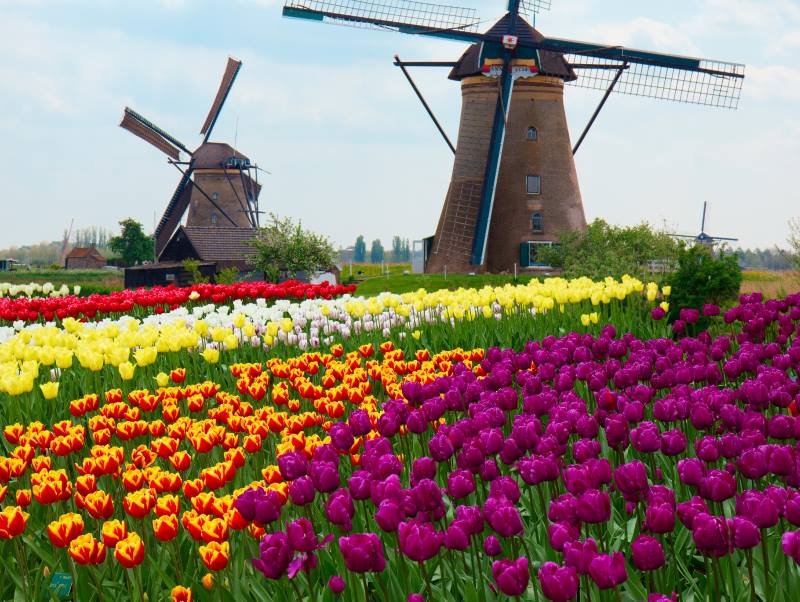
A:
x: 431, y: 282
x: 770, y: 283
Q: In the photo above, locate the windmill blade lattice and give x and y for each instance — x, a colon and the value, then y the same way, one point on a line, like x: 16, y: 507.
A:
x: 394, y: 16
x: 533, y: 7
x: 714, y: 83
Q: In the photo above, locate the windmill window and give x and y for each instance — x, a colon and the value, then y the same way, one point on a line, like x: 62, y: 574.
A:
x: 215, y: 196
x: 537, y: 224
x: 213, y: 219
x: 533, y: 134
x: 533, y: 184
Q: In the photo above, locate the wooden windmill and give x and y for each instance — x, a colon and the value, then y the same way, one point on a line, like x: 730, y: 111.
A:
x: 514, y: 185
x: 218, y: 185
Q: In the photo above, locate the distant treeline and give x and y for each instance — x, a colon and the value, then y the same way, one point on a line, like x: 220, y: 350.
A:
x: 765, y: 259
x: 49, y: 253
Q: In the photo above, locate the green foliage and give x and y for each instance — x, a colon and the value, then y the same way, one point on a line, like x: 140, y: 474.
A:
x: 794, y: 242
x: 704, y: 276
x: 607, y: 250
x: 376, y: 252
x: 283, y: 246
x: 360, y: 250
x: 132, y: 245
x: 401, y: 249
x: 227, y: 276
x: 193, y: 267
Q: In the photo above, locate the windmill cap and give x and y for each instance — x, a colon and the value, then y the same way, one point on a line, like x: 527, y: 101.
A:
x: 552, y: 63
x: 213, y: 155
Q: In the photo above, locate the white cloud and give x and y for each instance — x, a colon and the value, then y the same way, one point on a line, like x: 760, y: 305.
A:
x: 774, y: 82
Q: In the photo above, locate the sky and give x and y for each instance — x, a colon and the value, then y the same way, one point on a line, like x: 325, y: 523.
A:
x: 348, y: 146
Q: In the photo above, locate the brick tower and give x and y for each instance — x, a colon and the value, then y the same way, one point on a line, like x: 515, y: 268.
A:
x: 214, y: 176
x: 537, y: 193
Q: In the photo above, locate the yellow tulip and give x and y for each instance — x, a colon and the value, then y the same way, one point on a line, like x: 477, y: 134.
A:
x: 162, y: 379
x: 49, y: 390
x: 666, y: 290
x: 231, y: 342
x: 126, y: 370
x: 238, y: 320
x: 211, y: 355
x: 664, y: 305
x: 585, y: 319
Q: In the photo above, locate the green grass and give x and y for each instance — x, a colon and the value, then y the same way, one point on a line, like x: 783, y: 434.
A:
x: 406, y: 283
x: 369, y: 270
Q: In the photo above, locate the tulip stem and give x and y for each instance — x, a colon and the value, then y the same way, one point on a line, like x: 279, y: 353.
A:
x: 750, y: 575
x: 765, y: 558
x: 23, y: 567
x: 366, y: 589
x: 427, y: 580
x: 97, y: 584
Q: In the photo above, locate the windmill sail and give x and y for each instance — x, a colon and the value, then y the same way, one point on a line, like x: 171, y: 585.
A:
x: 149, y: 132
x: 228, y: 77
x: 404, y: 16
x: 174, y: 212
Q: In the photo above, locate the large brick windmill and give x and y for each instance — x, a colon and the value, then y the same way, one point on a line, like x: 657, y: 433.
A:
x: 514, y: 186
x: 218, y: 185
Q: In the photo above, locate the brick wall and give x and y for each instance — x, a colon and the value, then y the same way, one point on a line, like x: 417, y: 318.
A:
x: 536, y: 102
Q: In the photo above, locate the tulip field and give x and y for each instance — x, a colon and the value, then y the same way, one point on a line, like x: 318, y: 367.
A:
x: 557, y: 440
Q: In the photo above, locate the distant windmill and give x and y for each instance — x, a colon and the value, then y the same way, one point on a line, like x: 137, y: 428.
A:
x: 703, y: 238
x: 219, y: 185
x: 514, y: 186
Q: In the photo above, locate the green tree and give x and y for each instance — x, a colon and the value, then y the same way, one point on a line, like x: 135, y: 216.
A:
x: 360, y: 250
x: 376, y: 251
x: 607, y: 250
x: 704, y: 276
x: 794, y: 242
x: 132, y: 245
x: 284, y: 246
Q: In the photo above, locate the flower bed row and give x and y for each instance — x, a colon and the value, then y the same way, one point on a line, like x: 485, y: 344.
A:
x: 242, y: 331
x: 575, y: 466
x: 36, y: 290
x: 157, y: 299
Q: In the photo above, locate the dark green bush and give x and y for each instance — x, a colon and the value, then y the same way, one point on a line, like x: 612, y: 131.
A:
x: 607, y: 250
x: 704, y: 276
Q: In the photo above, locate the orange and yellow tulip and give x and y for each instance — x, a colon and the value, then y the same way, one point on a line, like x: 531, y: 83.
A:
x: 129, y: 552
x: 85, y: 549
x: 215, y: 555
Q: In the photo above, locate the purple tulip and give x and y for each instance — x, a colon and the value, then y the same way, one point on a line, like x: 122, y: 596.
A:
x: 718, y: 486
x: 711, y: 535
x: 325, y: 476
x: 419, y: 541
x: 631, y: 480
x: 744, y: 533
x: 362, y: 553
x: 456, y: 536
x: 512, y: 576
x: 341, y: 436
x: 491, y: 546
x: 415, y: 598
x: 301, y: 535
x: 790, y: 543
x: 538, y: 469
x: 559, y: 583
x: 579, y: 554
x: 359, y: 485
x: 647, y: 553
x: 660, y: 518
x: 339, y: 509
x: 608, y: 571
x: 594, y: 506
x: 275, y: 553
x: 292, y: 465
x: 359, y: 422
x: 460, y: 484
x: 560, y: 534
x: 336, y: 584
x: 503, y: 517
